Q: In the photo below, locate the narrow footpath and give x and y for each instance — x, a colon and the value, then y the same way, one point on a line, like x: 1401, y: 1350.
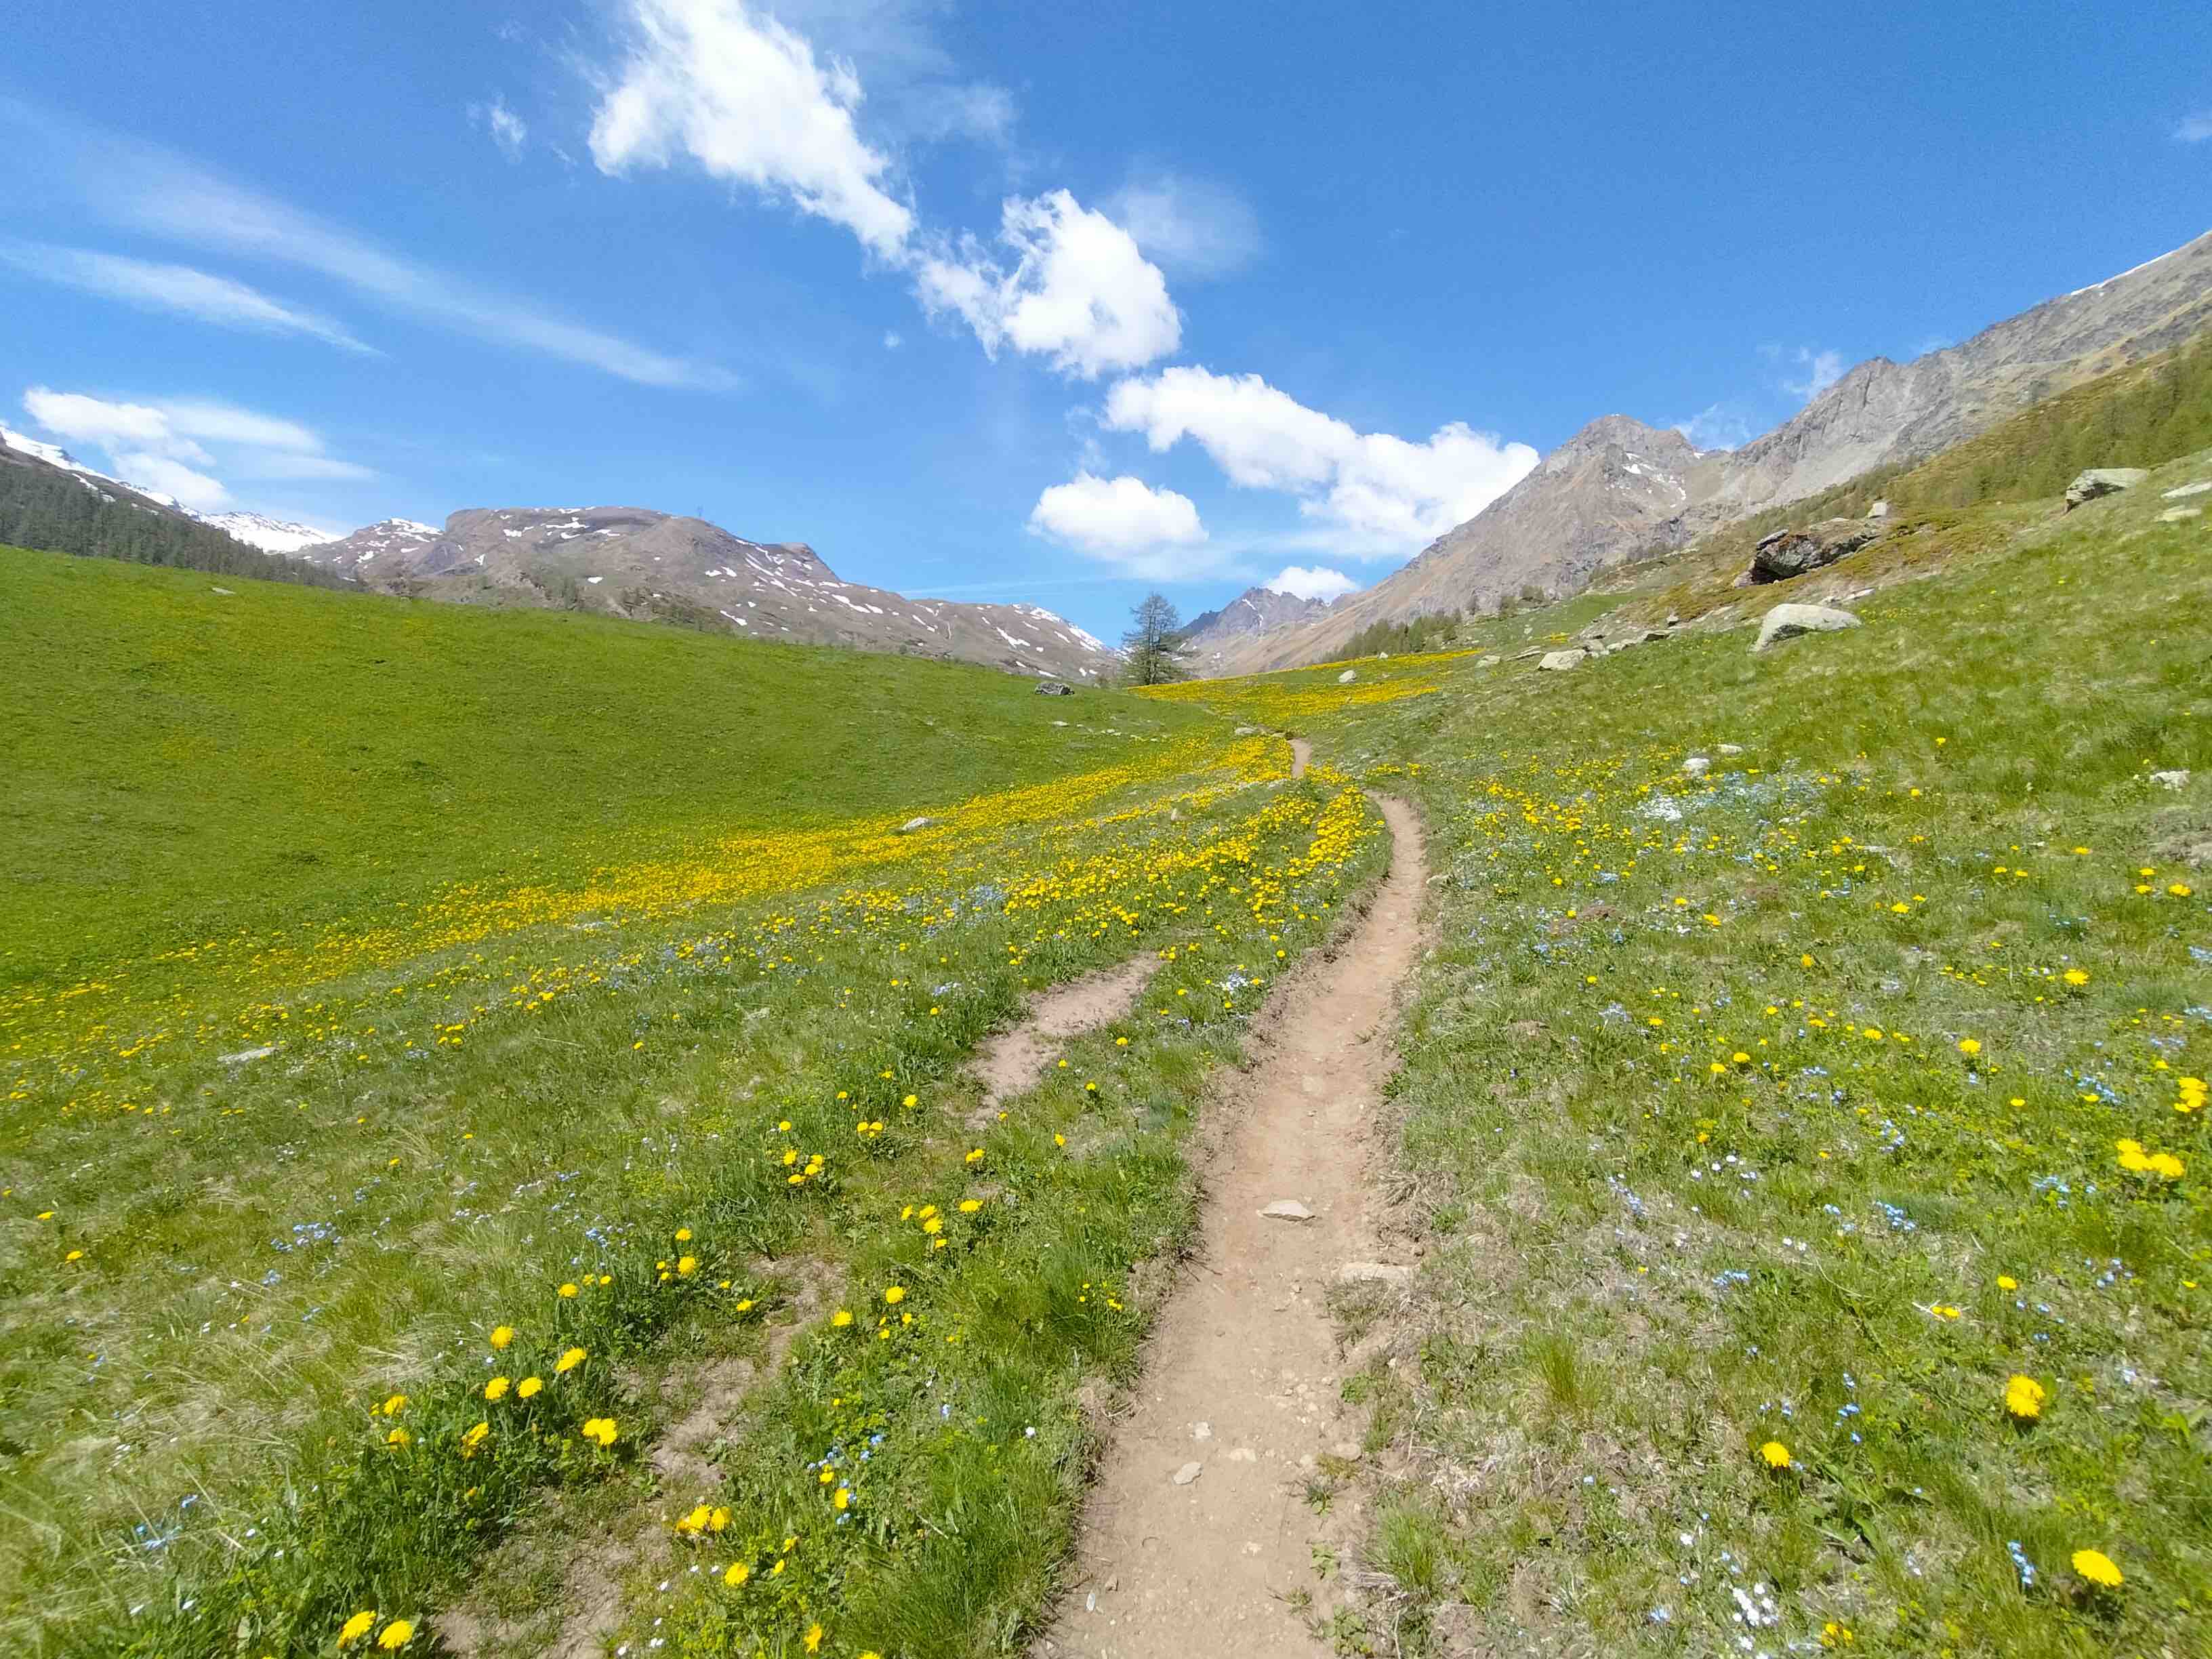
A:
x: 1197, y: 1535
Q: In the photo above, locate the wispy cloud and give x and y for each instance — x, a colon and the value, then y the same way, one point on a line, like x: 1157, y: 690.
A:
x: 1717, y: 426
x: 179, y: 445
x: 1822, y: 369
x: 508, y: 130
x: 154, y: 192
x: 176, y: 289
x: 1193, y: 227
x: 2194, y: 129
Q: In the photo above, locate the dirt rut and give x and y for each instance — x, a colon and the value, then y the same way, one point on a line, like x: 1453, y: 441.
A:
x: 1242, y: 1375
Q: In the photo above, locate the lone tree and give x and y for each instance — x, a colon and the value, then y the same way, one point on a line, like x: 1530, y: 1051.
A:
x: 1156, y: 646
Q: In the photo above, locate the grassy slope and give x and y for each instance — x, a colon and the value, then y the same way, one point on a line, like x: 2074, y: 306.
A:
x: 607, y: 919
x: 1762, y: 1108
x: 185, y: 760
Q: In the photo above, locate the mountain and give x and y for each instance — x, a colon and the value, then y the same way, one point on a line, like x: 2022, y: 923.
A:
x: 1619, y: 488
x: 634, y: 562
x: 1213, y: 635
x: 270, y: 535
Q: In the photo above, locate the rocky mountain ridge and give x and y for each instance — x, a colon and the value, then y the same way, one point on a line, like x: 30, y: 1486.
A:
x: 633, y: 561
x: 1620, y: 489
x: 1213, y: 635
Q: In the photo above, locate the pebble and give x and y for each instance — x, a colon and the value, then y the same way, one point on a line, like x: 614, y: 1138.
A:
x: 1188, y: 1473
x: 1286, y: 1209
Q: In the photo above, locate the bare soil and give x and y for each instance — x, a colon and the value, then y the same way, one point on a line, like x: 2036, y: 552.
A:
x: 1244, y: 1374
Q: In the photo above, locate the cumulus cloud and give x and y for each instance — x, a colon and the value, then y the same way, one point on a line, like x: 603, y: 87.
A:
x: 1377, y: 496
x: 167, y: 444
x: 508, y: 130
x: 178, y: 288
x: 1077, y: 291
x: 1316, y: 583
x: 1125, y: 522
x: 747, y: 99
x: 2194, y: 129
x: 1822, y: 369
x: 1192, y: 227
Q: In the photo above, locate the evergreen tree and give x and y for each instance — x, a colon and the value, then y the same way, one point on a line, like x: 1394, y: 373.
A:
x: 1157, y: 649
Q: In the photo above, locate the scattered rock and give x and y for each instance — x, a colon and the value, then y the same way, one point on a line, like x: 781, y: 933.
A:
x: 2176, y: 514
x: 1054, y: 688
x: 1697, y: 766
x: 1372, y: 1272
x: 1248, y: 731
x: 1879, y: 510
x: 1786, y: 621
x: 1202, y: 1431
x: 2180, y: 490
x: 1557, y: 660
x: 1490, y: 660
x: 2177, y: 779
x: 1188, y: 1473
x: 268, y: 1049
x: 1731, y: 749
x: 1790, y: 553
x: 2095, y: 481
x: 912, y: 824
x: 1347, y: 677
x: 1286, y: 1209
x: 228, y: 593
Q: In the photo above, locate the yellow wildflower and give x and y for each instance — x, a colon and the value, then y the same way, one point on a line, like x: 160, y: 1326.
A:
x: 357, y: 1627
x: 397, y: 1635
x: 2024, y: 1397
x: 2098, y: 1569
x: 568, y: 1361
x: 1776, y: 1453
x: 501, y: 1335
x: 496, y: 1388
x: 528, y: 1388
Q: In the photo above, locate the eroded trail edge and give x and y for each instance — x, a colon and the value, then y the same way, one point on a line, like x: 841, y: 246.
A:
x: 1243, y: 1373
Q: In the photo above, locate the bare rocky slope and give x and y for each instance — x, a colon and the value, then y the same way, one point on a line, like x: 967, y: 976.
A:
x: 630, y: 562
x: 1618, y: 487
x: 1213, y: 635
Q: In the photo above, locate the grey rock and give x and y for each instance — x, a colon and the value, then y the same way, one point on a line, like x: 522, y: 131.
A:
x: 1489, y: 660
x: 2177, y: 779
x: 1731, y: 749
x: 268, y: 1049
x: 2177, y: 514
x: 1286, y: 1209
x: 912, y: 824
x: 1786, y: 621
x: 1373, y: 1273
x: 1794, y: 552
x: 2181, y: 490
x: 1347, y: 677
x: 1557, y: 661
x: 2092, y: 482
x: 1697, y: 766
x: 1188, y: 1473
x: 1879, y: 510
x: 1054, y: 688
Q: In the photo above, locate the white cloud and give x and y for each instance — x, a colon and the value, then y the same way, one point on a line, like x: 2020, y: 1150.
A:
x: 892, y: 339
x: 1716, y: 426
x: 1822, y: 370
x: 916, y: 88
x: 508, y: 130
x: 1192, y: 227
x: 172, y: 477
x: 166, y: 444
x: 178, y: 288
x: 1126, y: 523
x: 153, y: 191
x: 2195, y: 129
x: 1379, y: 496
x: 746, y: 98
x: 1079, y: 291
x: 1317, y: 583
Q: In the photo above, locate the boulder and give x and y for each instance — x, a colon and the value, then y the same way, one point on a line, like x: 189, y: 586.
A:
x: 2177, y: 779
x: 1697, y: 766
x: 1557, y: 660
x: 2095, y: 481
x: 1786, y: 621
x: 1347, y: 677
x: 1879, y: 510
x: 912, y: 824
x: 1790, y: 553
x: 2180, y: 490
x: 1731, y: 749
x: 1054, y: 688
x: 2177, y: 514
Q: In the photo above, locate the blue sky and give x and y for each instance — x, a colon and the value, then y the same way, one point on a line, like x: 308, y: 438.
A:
x: 1008, y: 300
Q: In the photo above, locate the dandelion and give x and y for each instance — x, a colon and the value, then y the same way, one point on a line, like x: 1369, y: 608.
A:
x: 970, y: 1206
x: 683, y: 1234
x: 398, y: 1438
x: 2075, y: 976
x: 686, y: 1267
x: 567, y: 1289
x: 813, y: 1638
x: 895, y: 1294
x: 600, y: 1429
x: 397, y: 1635
x: 1777, y: 1454
x: 394, y: 1406
x: 736, y: 1574
x: 568, y: 1361
x: 1969, y: 1047
x: 2098, y: 1569
x: 842, y: 1318
x: 528, y: 1388
x: 357, y: 1627
x: 496, y: 1388
x: 2024, y: 1397
x: 475, y: 1437
x: 2007, y: 1282
x: 501, y: 1335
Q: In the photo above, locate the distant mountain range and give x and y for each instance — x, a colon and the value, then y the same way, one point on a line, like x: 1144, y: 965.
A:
x: 1619, y: 489
x: 255, y: 529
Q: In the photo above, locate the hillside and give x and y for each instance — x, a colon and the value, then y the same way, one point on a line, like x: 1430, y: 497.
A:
x: 1619, y: 489
x: 631, y: 562
x: 1214, y: 635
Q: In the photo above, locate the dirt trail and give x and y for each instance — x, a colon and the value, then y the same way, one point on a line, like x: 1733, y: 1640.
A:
x: 1242, y: 1375
x: 1014, y: 1060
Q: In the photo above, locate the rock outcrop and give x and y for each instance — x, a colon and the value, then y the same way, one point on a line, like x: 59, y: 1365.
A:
x: 1786, y: 621
x: 2092, y: 482
x: 1795, y: 552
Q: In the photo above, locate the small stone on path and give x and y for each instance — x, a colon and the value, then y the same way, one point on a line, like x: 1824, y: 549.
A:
x: 1188, y: 1473
x: 1286, y: 1209
x: 1373, y: 1273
